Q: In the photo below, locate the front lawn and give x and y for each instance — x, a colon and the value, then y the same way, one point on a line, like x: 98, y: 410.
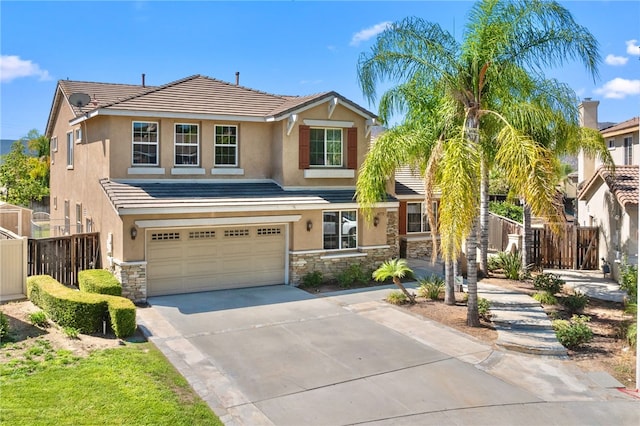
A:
x: 131, y: 385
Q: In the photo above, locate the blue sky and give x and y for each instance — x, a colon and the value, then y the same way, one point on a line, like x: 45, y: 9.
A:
x: 292, y: 48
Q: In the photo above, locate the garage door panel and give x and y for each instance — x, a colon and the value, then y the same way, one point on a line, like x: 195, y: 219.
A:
x: 190, y: 260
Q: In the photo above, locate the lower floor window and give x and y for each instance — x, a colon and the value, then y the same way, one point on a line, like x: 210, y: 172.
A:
x: 417, y: 219
x: 340, y: 229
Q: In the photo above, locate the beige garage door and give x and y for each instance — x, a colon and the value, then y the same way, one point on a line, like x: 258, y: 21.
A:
x: 190, y: 260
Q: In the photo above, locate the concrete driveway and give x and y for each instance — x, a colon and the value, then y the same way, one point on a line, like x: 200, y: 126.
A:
x: 278, y: 355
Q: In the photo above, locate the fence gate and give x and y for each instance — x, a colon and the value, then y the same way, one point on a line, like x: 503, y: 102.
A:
x: 64, y: 257
x: 574, y: 247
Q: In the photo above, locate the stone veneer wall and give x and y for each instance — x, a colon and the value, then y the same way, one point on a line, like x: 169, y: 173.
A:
x: 133, y: 277
x: 331, y: 263
x: 418, y: 248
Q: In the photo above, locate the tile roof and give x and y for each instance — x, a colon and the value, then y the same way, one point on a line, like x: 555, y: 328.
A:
x: 184, y: 195
x: 196, y: 94
x: 623, y: 183
x: 628, y: 124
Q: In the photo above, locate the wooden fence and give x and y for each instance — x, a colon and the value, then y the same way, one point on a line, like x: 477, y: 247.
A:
x: 575, y: 247
x: 499, y: 229
x: 63, y: 257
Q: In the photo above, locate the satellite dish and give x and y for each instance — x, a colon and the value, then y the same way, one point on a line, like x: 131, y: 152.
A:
x: 79, y: 99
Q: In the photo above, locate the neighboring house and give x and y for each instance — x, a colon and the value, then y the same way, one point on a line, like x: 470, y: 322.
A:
x: 608, y: 199
x: 414, y: 231
x: 201, y: 184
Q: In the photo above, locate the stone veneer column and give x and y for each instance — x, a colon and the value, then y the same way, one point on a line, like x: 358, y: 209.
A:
x: 133, y: 277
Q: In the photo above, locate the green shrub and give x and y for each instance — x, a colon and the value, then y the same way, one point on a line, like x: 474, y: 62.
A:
x: 84, y: 311
x: 511, y: 264
x: 575, y: 302
x: 629, y: 281
x: 545, y: 298
x: 4, y: 325
x: 506, y: 209
x: 352, y: 275
x: 397, y: 297
x: 122, y: 314
x: 431, y: 287
x: 312, y: 279
x: 548, y: 282
x: 484, y: 308
x: 99, y: 281
x: 39, y: 318
x: 574, y: 332
x: 494, y: 263
x: 71, y: 332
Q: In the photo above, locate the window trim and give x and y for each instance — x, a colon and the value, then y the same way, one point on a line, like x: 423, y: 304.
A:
x: 197, y: 144
x: 424, y: 222
x: 156, y: 143
x: 235, y: 145
x: 70, y: 146
x: 342, y: 148
x: 340, y: 230
x: 611, y: 144
x: 54, y: 144
x: 77, y: 135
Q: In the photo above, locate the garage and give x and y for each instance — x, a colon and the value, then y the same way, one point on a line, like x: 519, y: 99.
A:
x: 184, y: 260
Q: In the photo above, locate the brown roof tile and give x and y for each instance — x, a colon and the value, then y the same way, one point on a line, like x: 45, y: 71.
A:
x: 628, y: 124
x: 623, y: 183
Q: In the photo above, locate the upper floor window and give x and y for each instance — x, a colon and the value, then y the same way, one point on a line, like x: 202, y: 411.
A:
x: 70, y: 149
x: 340, y: 229
x: 628, y: 151
x: 78, y: 133
x: 325, y: 147
x: 612, y: 143
x: 145, y: 143
x: 226, y: 146
x: 417, y: 219
x: 187, y: 146
x: 54, y: 144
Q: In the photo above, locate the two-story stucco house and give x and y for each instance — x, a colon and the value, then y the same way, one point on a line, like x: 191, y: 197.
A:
x: 609, y: 199
x: 201, y: 184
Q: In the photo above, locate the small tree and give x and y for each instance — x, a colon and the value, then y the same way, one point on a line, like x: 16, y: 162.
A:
x: 395, y: 269
x: 23, y: 177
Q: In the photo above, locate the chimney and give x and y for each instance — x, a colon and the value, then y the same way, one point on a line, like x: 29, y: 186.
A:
x: 143, y: 85
x: 237, y: 78
x: 588, y: 110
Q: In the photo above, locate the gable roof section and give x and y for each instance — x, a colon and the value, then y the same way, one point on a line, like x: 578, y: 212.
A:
x: 623, y: 184
x: 196, y: 96
x: 627, y: 126
x: 408, y: 182
x: 180, y: 196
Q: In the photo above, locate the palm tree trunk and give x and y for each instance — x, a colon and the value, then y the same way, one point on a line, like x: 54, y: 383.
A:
x: 527, y: 239
x: 449, y: 288
x: 484, y: 217
x: 398, y: 283
x: 473, y: 318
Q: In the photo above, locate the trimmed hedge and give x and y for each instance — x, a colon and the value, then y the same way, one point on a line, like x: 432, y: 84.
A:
x: 81, y: 310
x: 99, y: 281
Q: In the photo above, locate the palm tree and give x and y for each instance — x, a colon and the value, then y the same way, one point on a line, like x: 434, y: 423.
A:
x: 461, y: 100
x: 396, y: 269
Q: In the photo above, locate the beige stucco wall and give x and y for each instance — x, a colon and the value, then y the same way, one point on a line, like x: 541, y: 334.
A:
x: 617, y: 153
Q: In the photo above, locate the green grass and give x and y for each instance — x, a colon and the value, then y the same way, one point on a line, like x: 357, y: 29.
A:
x: 134, y: 385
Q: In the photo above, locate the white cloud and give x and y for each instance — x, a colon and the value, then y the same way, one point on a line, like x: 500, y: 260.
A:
x: 368, y: 33
x: 12, y: 67
x: 616, y: 60
x: 632, y: 47
x: 619, y: 88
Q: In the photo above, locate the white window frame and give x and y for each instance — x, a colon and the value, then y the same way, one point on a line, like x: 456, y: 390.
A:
x: 70, y: 145
x: 78, y: 218
x: 77, y: 134
x: 223, y: 145
x: 54, y: 144
x: 176, y: 144
x: 628, y: 150
x: 156, y: 143
x: 325, y: 165
x: 340, y: 231
x: 424, y: 222
x: 612, y: 144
